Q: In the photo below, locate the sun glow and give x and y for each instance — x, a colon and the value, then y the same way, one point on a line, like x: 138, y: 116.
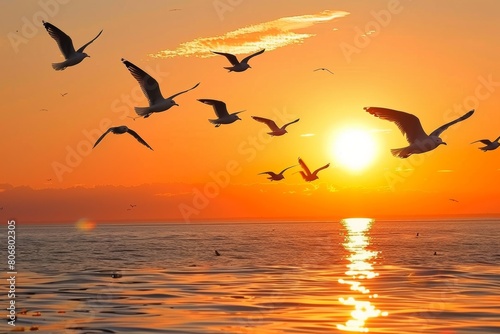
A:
x: 354, y: 149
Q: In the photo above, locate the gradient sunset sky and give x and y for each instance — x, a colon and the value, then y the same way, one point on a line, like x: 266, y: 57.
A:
x: 434, y: 59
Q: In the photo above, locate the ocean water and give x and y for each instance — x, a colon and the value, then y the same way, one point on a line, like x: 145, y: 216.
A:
x: 354, y: 275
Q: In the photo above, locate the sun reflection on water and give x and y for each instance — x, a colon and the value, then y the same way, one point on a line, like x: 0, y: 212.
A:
x: 359, y: 269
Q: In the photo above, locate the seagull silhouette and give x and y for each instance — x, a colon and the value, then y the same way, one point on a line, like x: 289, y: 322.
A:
x: 306, y: 174
x: 490, y: 145
x: 150, y: 88
x: 223, y: 117
x: 65, y: 44
x: 237, y: 65
x: 276, y: 177
x: 118, y: 130
x: 275, y: 130
x: 411, y: 127
x: 323, y: 69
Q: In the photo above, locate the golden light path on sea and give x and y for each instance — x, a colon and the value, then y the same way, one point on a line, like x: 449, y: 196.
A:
x: 359, y: 269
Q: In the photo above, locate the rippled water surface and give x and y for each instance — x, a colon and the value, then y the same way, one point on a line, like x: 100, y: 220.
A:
x: 355, y: 275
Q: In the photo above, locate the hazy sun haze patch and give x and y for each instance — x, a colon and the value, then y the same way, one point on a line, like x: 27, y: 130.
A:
x: 267, y: 35
x: 354, y: 149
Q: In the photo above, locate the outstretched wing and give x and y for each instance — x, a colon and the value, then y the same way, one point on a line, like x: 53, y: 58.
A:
x: 246, y: 59
x: 484, y: 141
x: 102, y: 136
x: 148, y: 84
x: 219, y: 107
x: 270, y: 123
x: 232, y: 58
x: 287, y: 169
x: 85, y: 45
x: 184, y: 91
x: 321, y: 168
x: 304, y: 167
x: 63, y: 41
x: 136, y: 136
x: 439, y: 130
x: 272, y: 174
x: 408, y: 124
x: 287, y: 124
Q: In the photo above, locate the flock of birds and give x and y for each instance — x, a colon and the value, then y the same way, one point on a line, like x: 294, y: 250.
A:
x: 410, y: 126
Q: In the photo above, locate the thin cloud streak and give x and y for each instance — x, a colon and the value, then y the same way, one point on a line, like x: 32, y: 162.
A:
x: 268, y: 35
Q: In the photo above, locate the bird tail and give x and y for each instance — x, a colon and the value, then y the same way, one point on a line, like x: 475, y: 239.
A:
x: 403, y: 152
x: 142, y: 111
x: 58, y: 66
x: 230, y: 69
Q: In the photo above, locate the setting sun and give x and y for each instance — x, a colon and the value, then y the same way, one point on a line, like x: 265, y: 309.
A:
x: 354, y: 149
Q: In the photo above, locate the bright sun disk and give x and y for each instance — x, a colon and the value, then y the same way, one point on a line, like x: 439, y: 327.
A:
x: 354, y: 149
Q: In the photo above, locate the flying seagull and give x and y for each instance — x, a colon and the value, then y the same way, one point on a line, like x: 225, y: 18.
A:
x: 237, y: 65
x: 223, y: 117
x: 410, y: 126
x: 490, y: 145
x: 323, y: 69
x: 275, y: 130
x: 276, y: 177
x: 65, y: 44
x: 150, y: 88
x: 118, y: 130
x: 306, y: 174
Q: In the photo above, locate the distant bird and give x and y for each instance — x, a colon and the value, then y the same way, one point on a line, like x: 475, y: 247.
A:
x: 118, y: 130
x: 418, y: 234
x: 275, y: 130
x: 453, y: 200
x: 133, y: 205
x: 44, y: 109
x: 63, y: 94
x: 323, y: 69
x: 490, y: 145
x: 116, y: 275
x: 65, y: 44
x: 217, y: 253
x: 435, y: 253
x: 410, y: 126
x: 307, y: 175
x: 237, y: 65
x: 276, y: 177
x: 134, y: 117
x: 48, y: 180
x: 223, y: 117
x: 150, y: 88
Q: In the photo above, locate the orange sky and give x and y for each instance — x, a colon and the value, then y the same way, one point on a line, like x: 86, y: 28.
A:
x: 428, y: 58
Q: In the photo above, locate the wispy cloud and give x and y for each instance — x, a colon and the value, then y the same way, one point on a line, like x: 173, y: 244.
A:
x: 445, y: 171
x: 267, y: 35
